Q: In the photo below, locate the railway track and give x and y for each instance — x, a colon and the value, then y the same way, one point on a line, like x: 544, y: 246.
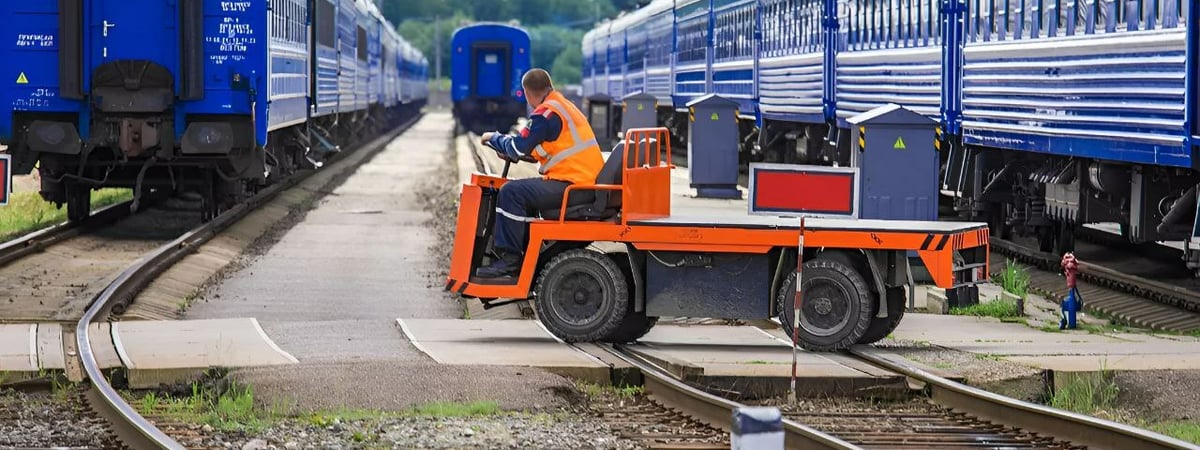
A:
x: 716, y: 412
x: 126, y: 424
x: 1129, y: 298
x: 951, y: 416
x: 958, y: 416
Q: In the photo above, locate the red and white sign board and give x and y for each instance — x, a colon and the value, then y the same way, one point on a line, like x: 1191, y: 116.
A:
x: 794, y: 190
x: 5, y: 178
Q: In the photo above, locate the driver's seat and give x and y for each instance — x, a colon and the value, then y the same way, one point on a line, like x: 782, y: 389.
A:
x: 602, y: 204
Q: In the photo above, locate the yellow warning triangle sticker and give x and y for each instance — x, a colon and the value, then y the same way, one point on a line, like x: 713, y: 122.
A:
x: 21, y: 79
x: 899, y: 144
x: 714, y: 116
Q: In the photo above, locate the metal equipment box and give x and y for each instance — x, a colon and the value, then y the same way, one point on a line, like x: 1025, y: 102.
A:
x: 713, y: 147
x: 599, y: 110
x: 893, y: 148
x: 639, y: 110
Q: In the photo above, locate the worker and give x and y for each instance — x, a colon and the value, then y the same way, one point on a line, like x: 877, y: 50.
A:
x: 559, y: 138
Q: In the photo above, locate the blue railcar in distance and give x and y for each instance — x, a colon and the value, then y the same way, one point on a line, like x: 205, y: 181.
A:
x: 1053, y: 114
x: 216, y: 96
x: 486, y: 65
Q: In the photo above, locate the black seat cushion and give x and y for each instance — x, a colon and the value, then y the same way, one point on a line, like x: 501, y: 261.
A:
x: 597, y: 205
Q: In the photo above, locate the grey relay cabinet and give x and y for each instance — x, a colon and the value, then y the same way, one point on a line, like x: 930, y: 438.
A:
x: 893, y: 149
x: 713, y: 146
x: 639, y: 111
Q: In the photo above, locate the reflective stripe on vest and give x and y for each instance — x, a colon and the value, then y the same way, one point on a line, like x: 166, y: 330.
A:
x: 568, y: 152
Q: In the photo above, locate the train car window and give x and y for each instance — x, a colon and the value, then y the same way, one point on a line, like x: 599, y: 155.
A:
x: 326, y: 23
x: 362, y: 44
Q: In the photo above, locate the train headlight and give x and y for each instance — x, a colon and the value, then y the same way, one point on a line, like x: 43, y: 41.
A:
x: 208, y: 137
x: 54, y: 137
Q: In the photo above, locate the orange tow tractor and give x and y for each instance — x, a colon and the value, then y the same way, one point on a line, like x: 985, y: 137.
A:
x: 605, y: 267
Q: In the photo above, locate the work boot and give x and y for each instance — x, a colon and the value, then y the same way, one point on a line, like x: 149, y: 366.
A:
x: 507, y: 266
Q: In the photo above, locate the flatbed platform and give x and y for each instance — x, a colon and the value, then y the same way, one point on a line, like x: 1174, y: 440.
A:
x: 725, y: 218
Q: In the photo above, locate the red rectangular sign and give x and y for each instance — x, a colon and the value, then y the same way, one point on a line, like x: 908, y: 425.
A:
x: 784, y: 189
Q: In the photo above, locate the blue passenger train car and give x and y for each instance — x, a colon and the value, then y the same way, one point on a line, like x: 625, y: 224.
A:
x: 216, y: 96
x: 486, y: 65
x: 1052, y: 113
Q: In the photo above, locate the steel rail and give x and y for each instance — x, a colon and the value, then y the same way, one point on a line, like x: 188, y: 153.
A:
x: 713, y: 410
x: 131, y: 427
x: 39, y: 240
x: 1064, y: 425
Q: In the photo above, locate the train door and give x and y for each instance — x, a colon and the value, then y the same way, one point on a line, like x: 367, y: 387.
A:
x: 491, y: 71
x: 123, y: 30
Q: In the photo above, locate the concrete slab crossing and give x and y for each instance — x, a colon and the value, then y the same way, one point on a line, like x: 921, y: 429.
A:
x: 145, y: 345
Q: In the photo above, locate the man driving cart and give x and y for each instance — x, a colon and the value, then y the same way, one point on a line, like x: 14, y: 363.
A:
x: 561, y: 140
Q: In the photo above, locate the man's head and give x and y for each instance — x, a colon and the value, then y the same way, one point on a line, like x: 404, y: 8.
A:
x: 537, y: 85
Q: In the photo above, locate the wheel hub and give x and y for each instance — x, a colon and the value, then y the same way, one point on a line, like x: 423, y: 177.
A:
x: 579, y: 298
x: 826, y: 307
x: 823, y: 306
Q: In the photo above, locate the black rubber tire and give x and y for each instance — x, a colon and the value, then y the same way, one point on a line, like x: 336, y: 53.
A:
x: 636, y: 324
x: 881, y: 327
x: 833, y: 286
x: 596, y: 284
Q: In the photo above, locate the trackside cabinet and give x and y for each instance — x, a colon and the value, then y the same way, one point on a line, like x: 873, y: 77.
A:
x: 713, y: 146
x: 599, y: 112
x: 639, y: 111
x: 893, y: 149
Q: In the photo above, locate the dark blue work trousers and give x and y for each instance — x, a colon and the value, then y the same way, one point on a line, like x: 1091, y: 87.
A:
x: 518, y: 204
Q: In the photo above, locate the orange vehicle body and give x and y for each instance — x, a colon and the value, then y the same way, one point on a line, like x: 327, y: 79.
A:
x: 644, y: 224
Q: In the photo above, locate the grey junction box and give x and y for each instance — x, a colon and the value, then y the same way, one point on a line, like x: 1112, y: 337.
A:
x: 599, y: 110
x: 639, y: 110
x: 713, y: 146
x: 893, y: 148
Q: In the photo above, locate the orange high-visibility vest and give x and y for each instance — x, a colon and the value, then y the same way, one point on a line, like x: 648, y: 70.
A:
x: 574, y: 156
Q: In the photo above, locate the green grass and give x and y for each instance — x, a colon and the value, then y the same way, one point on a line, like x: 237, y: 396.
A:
x: 231, y: 410
x: 998, y: 308
x: 1185, y: 430
x: 1087, y: 393
x: 1096, y: 393
x: 449, y: 409
x: 593, y: 390
x: 1014, y: 279
x: 27, y: 212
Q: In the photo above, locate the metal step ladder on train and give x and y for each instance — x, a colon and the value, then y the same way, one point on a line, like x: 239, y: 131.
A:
x: 323, y: 148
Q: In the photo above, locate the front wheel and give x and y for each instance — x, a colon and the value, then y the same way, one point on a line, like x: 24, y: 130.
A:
x: 582, y: 296
x: 836, y: 309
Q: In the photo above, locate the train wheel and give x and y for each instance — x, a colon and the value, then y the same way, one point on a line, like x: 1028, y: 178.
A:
x: 79, y: 202
x: 582, y: 296
x: 881, y: 327
x: 837, y: 307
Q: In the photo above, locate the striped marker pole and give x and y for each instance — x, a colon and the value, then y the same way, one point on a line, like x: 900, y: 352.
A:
x: 796, y: 313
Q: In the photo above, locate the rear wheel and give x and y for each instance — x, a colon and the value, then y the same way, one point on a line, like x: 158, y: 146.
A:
x: 880, y: 327
x: 582, y: 296
x: 837, y: 306
x: 636, y: 324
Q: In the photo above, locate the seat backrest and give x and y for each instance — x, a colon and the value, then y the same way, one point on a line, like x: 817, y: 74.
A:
x: 610, y: 174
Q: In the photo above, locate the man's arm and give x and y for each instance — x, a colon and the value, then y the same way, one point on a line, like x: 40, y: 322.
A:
x: 543, y: 127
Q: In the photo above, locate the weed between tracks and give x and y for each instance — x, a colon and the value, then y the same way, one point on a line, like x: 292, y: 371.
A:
x: 235, y: 409
x: 27, y: 212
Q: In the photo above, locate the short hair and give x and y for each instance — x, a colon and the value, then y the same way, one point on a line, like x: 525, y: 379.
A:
x: 537, y: 81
